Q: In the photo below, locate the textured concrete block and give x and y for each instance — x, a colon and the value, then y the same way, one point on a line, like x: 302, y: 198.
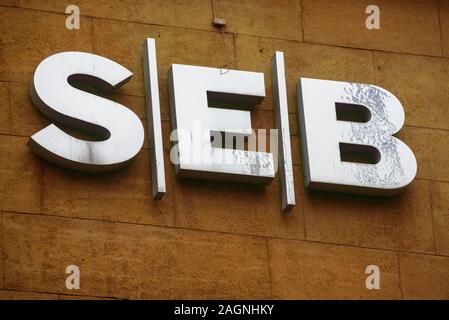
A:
x: 205, y: 239
x: 267, y: 18
x: 295, y: 139
x: 2, y: 256
x: 431, y: 149
x: 424, y: 276
x: 420, y: 83
x: 304, y: 270
x: 402, y: 222
x: 196, y: 14
x: 296, y: 149
x: 197, y: 206
x: 172, y: 46
x: 20, y: 117
x: 262, y: 119
x: 302, y: 60
x: 9, y: 2
x: 132, y: 261
x: 444, y: 21
x: 440, y: 207
x: 5, y: 106
x: 21, y: 176
x: 237, y: 208
x: 405, y: 26
x: 121, y: 195
x: 30, y: 36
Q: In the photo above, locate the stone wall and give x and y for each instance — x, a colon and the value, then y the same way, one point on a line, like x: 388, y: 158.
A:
x: 223, y: 240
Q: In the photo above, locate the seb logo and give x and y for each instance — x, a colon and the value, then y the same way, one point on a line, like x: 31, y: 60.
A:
x: 346, y: 129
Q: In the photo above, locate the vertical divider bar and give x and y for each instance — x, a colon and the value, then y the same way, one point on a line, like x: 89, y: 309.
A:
x: 154, y: 118
x: 281, y: 113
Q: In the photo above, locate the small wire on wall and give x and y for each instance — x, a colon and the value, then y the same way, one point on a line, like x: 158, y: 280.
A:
x: 221, y: 23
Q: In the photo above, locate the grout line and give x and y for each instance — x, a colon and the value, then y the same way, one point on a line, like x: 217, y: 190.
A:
x: 405, y: 126
x: 374, y: 67
x: 92, y: 34
x: 16, y: 5
x: 8, y: 88
x: 440, y: 25
x: 261, y: 110
x: 399, y: 275
x: 423, y: 127
x: 115, y: 19
x: 301, y: 16
x: 242, y: 34
x: 359, y: 247
x: 42, y: 186
x: 269, y: 267
x: 300, y: 198
x: 303, y: 211
x: 112, y: 94
x: 371, y: 49
x: 234, y: 44
x: 432, y: 215
x: 2, y: 250
x: 62, y: 294
x: 86, y: 219
x: 419, y: 178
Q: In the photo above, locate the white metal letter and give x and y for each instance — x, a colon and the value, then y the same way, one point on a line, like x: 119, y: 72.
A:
x: 282, y: 122
x: 205, y: 99
x: 154, y: 118
x: 119, y: 128
x: 346, y: 137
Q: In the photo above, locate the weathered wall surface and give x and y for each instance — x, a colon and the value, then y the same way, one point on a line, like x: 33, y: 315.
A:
x: 221, y: 240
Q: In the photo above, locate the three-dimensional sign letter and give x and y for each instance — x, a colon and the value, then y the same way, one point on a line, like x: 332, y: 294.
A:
x: 203, y: 101
x: 119, y: 129
x: 346, y: 137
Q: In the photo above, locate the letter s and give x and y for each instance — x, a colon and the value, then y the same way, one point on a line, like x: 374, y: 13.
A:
x: 120, y: 128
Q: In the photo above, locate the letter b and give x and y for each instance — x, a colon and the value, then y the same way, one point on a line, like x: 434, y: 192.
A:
x: 346, y: 137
